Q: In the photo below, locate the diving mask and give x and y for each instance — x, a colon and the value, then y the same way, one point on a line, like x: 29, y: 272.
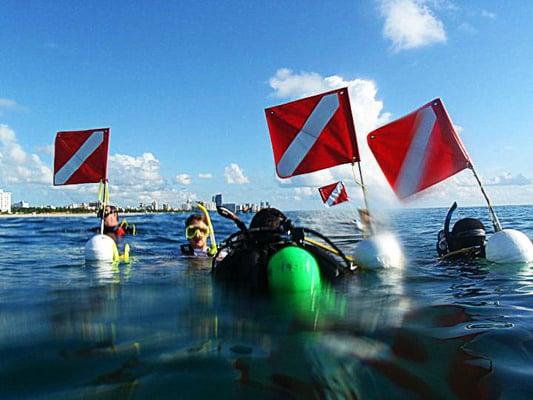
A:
x: 195, y: 230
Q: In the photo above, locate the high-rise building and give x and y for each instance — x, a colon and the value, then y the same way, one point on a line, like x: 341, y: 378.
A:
x: 230, y: 206
x: 5, y: 201
x: 217, y: 198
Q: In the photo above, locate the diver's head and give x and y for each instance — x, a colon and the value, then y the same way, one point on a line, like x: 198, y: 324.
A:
x: 110, y: 215
x: 196, y: 231
x: 270, y: 218
x: 467, y: 232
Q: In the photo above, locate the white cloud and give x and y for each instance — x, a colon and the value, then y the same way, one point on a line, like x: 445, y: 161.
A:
x: 135, y: 179
x: 488, y: 14
x: 410, y: 24
x: 141, y: 172
x: 17, y: 166
x: 47, y: 150
x: 508, y: 179
x: 235, y: 175
x: 368, y: 114
x: 8, y: 103
x: 304, y: 191
x: 205, y: 175
x: 183, y: 179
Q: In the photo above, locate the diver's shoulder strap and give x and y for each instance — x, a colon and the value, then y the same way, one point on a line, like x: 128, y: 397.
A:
x: 467, y: 252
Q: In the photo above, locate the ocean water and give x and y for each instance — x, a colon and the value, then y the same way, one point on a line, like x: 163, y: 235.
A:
x: 159, y: 327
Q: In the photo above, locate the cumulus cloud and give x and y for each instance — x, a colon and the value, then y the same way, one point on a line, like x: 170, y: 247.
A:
x: 410, y: 24
x: 301, y: 192
x: 135, y: 179
x: 205, y: 175
x: 235, y: 175
x: 183, y: 179
x: 136, y: 172
x: 508, y: 179
x: 16, y: 165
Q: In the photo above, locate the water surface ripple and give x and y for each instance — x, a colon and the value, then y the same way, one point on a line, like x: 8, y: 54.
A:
x: 160, y: 328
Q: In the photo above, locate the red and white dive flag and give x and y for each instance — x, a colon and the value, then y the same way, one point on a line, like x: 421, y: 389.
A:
x: 313, y: 133
x: 81, y: 156
x: 333, y: 194
x: 419, y: 150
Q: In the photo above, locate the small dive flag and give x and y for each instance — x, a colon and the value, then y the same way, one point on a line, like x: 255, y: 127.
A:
x: 419, y: 150
x: 333, y: 194
x: 81, y: 156
x: 313, y: 133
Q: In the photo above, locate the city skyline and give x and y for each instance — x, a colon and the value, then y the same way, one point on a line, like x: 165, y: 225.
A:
x: 184, y: 90
x: 7, y: 205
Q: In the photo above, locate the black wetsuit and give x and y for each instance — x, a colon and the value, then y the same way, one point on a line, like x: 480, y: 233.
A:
x: 246, y: 263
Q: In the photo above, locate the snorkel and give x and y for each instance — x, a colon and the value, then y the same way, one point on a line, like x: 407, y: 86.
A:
x: 447, y: 233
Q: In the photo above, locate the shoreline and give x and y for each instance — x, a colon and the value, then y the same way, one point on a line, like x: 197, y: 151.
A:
x: 63, y: 215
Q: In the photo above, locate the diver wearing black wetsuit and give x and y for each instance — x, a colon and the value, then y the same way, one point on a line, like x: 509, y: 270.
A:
x: 466, y: 241
x: 250, y: 250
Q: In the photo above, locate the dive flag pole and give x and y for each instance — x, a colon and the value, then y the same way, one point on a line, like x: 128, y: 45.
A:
x: 103, y: 202
x: 495, y: 221
x: 363, y: 187
x: 102, y: 206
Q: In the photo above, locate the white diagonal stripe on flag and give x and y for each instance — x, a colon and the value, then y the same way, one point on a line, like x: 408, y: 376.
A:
x: 78, y: 158
x: 413, y: 164
x: 334, y: 194
x: 308, y: 135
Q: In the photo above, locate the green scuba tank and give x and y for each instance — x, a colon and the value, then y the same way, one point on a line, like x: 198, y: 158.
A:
x: 293, y: 269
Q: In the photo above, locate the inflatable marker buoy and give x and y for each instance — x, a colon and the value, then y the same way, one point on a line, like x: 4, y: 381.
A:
x: 509, y: 246
x: 101, y: 248
x: 378, y: 252
x: 293, y: 269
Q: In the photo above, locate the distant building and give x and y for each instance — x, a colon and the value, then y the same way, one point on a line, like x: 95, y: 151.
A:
x: 230, y: 206
x: 187, y: 206
x: 217, y: 199
x: 155, y: 206
x: 166, y: 207
x: 20, y: 205
x: 5, y: 201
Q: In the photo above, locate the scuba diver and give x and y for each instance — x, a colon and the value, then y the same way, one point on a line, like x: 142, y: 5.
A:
x: 466, y: 241
x: 112, y: 227
x: 198, y: 229
x: 273, y: 254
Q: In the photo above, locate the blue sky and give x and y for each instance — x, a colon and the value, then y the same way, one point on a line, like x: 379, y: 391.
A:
x: 183, y: 86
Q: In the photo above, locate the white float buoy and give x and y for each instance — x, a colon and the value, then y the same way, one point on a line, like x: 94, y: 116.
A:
x: 378, y: 252
x: 100, y: 248
x: 509, y: 246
